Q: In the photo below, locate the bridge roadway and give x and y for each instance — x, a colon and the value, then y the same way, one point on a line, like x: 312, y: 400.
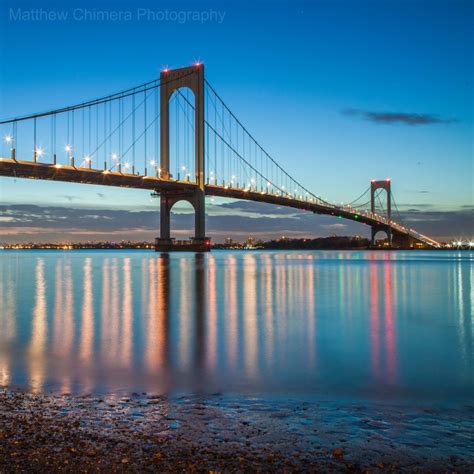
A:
x: 59, y: 172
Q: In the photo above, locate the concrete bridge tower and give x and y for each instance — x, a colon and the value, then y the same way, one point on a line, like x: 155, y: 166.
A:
x: 374, y: 186
x: 171, y: 80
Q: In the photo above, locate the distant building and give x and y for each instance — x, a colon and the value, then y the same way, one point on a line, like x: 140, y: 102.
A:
x: 250, y: 242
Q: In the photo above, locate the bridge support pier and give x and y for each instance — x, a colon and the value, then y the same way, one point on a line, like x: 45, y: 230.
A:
x: 198, y: 243
x: 375, y: 230
x: 403, y: 241
x: 172, y: 80
x: 396, y: 240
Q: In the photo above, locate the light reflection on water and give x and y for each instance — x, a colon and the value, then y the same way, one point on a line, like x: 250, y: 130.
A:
x: 385, y: 325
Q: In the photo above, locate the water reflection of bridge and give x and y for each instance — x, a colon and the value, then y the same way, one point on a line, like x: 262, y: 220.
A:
x: 197, y: 320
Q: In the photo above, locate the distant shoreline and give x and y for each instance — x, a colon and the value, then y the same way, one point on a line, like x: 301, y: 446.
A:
x: 284, y: 243
x: 376, y: 249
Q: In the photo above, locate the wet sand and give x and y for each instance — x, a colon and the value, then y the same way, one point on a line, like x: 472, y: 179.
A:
x: 142, y: 432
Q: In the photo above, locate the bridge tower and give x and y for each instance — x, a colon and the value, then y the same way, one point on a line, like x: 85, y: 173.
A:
x: 374, y: 186
x: 172, y: 80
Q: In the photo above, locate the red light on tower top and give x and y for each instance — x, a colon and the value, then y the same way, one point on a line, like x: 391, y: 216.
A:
x: 198, y: 63
x: 165, y: 70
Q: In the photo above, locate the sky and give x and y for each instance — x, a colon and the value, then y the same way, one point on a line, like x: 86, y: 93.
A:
x: 338, y: 92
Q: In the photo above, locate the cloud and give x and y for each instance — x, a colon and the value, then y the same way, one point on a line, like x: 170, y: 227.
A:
x: 334, y: 226
x: 56, y: 217
x: 394, y: 118
x: 416, y: 206
x: 440, y: 224
x: 23, y: 221
x: 252, y: 209
x: 54, y: 223
x: 69, y: 197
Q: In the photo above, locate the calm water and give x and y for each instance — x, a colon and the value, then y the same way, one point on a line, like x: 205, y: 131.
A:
x: 355, y: 325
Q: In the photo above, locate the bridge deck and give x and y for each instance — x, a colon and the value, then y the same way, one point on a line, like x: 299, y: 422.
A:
x: 47, y: 171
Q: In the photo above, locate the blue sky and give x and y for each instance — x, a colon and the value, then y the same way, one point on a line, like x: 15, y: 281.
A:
x: 313, y: 81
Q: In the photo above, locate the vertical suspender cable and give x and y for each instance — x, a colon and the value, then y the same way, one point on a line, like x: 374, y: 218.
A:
x: 15, y: 136
x: 105, y: 136
x: 157, y: 130
x: 52, y: 135
x: 144, y: 119
x: 119, y: 158
x: 53, y: 150
x: 186, y: 132
x: 97, y: 133
x: 34, y: 138
x: 177, y: 137
x: 72, y: 150
x: 83, y: 126
x: 133, y: 134
x: 111, y: 144
x: 215, y: 141
x: 89, y: 134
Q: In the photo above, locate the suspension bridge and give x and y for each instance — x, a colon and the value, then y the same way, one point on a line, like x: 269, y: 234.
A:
x: 176, y: 136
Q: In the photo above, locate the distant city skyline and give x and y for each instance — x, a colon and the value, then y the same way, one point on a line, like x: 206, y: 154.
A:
x: 338, y: 94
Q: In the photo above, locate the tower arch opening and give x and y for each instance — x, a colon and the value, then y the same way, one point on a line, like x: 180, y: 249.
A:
x: 182, y: 146
x: 385, y: 185
x: 383, y: 241
x: 182, y: 217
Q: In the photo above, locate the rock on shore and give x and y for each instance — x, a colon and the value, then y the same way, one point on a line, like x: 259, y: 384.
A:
x: 142, y: 432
